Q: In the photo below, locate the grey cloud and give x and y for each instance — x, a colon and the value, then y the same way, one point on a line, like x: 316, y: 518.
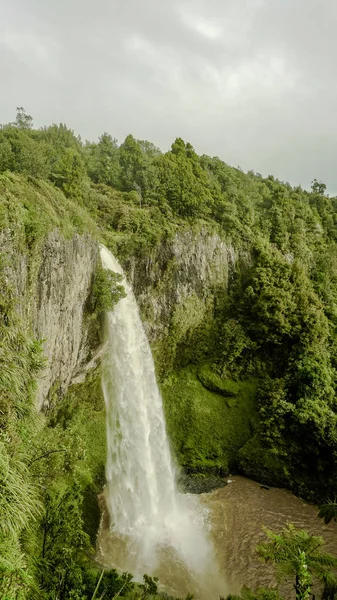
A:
x: 252, y: 81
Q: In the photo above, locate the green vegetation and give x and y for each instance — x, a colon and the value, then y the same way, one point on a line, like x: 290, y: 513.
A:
x: 51, y: 465
x: 298, y: 555
x: 106, y: 290
x: 20, y: 502
x: 30, y: 208
x: 328, y: 511
x: 207, y: 429
x: 259, y: 594
x: 247, y: 367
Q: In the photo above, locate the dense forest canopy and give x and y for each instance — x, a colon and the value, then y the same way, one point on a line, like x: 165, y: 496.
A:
x: 277, y: 324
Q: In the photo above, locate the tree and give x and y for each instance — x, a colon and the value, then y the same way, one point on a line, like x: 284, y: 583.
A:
x: 183, y: 182
x: 69, y: 173
x: 19, y: 152
x: 235, y: 349
x: 23, y: 120
x: 6, y: 157
x: 318, y: 187
x: 103, y: 161
x: 107, y: 290
x: 132, y: 161
x: 63, y: 542
x: 59, y: 137
x: 149, y: 586
x: 298, y: 555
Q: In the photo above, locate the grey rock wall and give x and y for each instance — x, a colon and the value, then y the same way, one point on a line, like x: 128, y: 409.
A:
x: 51, y: 298
x: 192, y: 263
x: 63, y: 286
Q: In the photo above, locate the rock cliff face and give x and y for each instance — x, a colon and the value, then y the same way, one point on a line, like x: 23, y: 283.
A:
x: 63, y: 286
x: 51, y: 295
x: 173, y: 286
x: 190, y: 265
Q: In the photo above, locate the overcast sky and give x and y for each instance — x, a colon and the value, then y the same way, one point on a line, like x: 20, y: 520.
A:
x: 252, y: 81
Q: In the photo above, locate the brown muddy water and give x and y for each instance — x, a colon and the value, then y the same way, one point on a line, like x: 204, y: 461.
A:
x: 236, y: 515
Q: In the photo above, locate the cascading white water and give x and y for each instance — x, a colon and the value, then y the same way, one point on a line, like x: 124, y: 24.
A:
x: 145, y: 509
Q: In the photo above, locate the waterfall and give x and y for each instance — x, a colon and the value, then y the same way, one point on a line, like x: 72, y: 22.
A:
x: 147, y: 513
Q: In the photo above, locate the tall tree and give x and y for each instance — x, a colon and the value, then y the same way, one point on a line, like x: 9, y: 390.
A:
x: 23, y: 120
x: 318, y: 187
x: 103, y: 161
x: 69, y: 173
x: 132, y: 162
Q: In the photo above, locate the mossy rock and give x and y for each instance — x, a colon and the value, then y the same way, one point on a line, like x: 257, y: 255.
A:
x: 206, y: 432
x: 262, y: 464
x: 212, y: 382
x: 199, y: 465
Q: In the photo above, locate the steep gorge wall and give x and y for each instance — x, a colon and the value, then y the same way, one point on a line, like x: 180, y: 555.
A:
x: 191, y: 264
x: 63, y: 287
x: 178, y: 287
x: 51, y: 290
x: 174, y: 285
x: 182, y: 288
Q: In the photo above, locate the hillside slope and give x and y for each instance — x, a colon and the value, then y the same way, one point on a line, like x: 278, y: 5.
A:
x: 236, y: 278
